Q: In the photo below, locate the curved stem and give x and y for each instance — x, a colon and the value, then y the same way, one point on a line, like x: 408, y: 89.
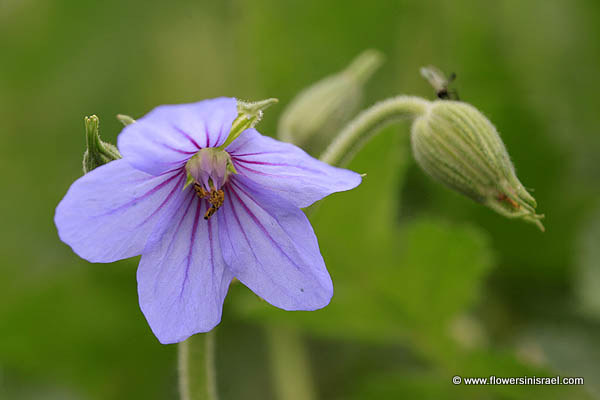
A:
x: 197, y: 372
x: 358, y: 132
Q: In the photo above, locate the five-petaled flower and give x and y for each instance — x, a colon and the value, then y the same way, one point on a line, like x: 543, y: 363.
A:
x: 200, y: 215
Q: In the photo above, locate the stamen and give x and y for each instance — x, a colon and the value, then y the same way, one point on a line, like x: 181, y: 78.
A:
x: 216, y: 198
x: 200, y: 191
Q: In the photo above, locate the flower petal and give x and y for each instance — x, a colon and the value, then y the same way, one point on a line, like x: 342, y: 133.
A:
x: 288, y: 170
x: 169, y: 135
x: 182, y: 279
x: 269, y: 245
x: 108, y: 214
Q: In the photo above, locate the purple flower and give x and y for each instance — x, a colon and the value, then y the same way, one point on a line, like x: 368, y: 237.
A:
x: 201, y: 215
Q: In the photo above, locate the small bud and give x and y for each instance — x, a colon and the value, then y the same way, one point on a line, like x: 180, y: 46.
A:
x: 457, y: 145
x: 320, y: 111
x: 98, y: 152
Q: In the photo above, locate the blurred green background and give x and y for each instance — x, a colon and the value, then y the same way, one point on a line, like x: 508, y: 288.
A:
x: 428, y: 284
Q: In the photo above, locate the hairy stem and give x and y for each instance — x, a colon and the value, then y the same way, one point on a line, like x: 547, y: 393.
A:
x: 358, y: 132
x: 196, y: 364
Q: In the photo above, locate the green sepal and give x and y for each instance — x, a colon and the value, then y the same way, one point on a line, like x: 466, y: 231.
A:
x: 231, y: 168
x: 188, y: 181
x: 249, y: 114
x: 125, y: 119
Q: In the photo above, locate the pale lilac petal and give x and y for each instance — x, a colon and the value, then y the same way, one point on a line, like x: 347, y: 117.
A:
x: 108, y: 214
x: 182, y: 279
x: 269, y: 245
x: 169, y: 135
x: 288, y: 170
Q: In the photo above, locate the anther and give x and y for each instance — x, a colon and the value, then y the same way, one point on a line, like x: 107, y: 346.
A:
x: 216, y: 198
x: 200, y: 191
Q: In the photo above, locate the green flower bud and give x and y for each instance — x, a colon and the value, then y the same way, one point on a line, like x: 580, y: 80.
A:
x: 319, y: 111
x: 98, y: 152
x: 457, y: 145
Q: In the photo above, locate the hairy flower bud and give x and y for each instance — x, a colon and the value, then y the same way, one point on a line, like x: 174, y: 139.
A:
x: 320, y: 110
x: 98, y: 152
x: 457, y: 145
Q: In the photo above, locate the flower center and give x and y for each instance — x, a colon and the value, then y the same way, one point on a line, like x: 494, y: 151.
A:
x: 209, y: 170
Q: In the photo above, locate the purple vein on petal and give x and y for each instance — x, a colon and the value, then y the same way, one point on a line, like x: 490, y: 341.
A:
x: 257, y: 221
x: 281, y: 165
x: 210, y: 243
x: 167, y: 198
x: 278, y: 175
x: 239, y: 224
x: 258, y: 205
x: 188, y: 137
x: 187, y: 153
x: 175, y: 233
x: 237, y: 165
x: 216, y: 288
x: 220, y: 134
x: 178, y: 168
x: 192, y: 242
x: 260, y: 153
x: 137, y: 199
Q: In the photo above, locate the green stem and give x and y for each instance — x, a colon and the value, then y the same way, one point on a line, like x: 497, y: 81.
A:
x: 358, y: 132
x: 197, y: 372
x: 289, y: 364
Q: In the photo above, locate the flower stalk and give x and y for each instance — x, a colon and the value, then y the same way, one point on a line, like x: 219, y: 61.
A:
x: 289, y: 364
x: 360, y: 130
x: 196, y: 365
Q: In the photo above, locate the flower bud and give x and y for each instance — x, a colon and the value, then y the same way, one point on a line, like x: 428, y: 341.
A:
x: 320, y: 110
x: 457, y: 145
x: 98, y: 152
